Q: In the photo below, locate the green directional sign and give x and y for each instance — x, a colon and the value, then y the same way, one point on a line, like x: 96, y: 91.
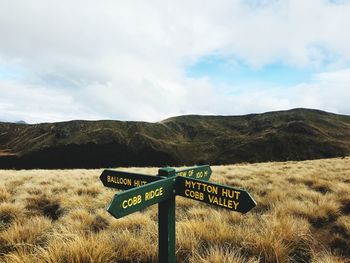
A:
x: 234, y: 199
x: 124, y: 180
x: 199, y: 172
x: 143, y: 190
x: 135, y: 199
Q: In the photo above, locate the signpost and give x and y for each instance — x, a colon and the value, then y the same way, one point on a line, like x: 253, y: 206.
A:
x: 200, y: 172
x: 166, y: 222
x: 234, y: 199
x: 145, y: 190
x: 138, y: 198
x: 124, y: 180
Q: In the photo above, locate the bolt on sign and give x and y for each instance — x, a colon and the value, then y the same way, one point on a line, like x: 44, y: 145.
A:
x: 143, y: 190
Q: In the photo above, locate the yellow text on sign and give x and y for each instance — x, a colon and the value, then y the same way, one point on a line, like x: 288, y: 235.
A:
x: 201, y: 186
x: 228, y: 198
x: 132, y: 201
x: 135, y: 200
x: 197, y: 175
x: 194, y: 194
x: 154, y: 193
x: 119, y: 180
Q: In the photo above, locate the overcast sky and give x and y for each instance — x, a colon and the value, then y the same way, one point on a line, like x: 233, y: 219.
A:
x: 150, y: 60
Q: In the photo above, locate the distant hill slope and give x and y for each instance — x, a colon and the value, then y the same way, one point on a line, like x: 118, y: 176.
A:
x: 297, y: 134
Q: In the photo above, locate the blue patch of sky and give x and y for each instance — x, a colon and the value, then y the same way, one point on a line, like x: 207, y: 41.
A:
x: 259, y: 3
x: 17, y: 73
x: 323, y: 57
x: 220, y: 71
x: 9, y: 72
x: 339, y: 2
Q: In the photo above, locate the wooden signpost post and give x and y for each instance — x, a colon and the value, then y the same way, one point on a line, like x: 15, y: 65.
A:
x: 143, y: 190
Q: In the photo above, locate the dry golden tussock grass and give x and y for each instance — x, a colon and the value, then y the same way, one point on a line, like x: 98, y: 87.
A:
x: 303, y: 215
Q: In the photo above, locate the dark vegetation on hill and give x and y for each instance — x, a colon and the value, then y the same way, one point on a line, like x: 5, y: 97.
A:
x: 297, y: 134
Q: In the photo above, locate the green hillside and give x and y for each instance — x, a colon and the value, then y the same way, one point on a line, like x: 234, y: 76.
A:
x: 297, y: 134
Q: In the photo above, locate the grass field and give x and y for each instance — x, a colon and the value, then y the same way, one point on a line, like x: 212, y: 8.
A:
x: 303, y: 215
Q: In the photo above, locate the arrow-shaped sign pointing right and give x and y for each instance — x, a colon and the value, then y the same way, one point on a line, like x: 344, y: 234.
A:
x: 231, y: 198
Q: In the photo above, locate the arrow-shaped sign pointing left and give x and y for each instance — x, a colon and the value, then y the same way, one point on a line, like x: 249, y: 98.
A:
x: 124, y: 180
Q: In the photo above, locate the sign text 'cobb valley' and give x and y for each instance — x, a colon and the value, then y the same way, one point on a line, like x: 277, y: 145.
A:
x: 219, y: 195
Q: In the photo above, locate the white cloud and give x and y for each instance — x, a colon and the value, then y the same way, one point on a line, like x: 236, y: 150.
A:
x: 329, y: 91
x: 127, y: 60
x: 39, y: 104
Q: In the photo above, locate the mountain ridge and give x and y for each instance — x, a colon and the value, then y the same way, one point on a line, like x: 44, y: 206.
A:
x: 296, y: 134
